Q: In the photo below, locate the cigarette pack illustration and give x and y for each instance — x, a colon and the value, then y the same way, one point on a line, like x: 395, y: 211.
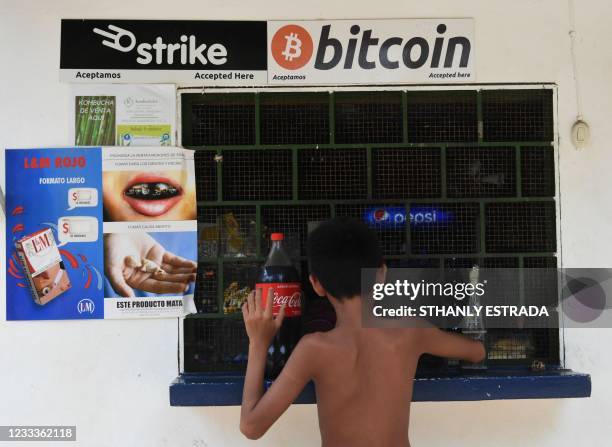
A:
x: 43, y: 265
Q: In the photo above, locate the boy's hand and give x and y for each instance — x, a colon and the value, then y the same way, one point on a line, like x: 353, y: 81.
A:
x: 261, y: 326
x: 259, y: 409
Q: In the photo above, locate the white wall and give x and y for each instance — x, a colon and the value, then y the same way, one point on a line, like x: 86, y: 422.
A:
x: 111, y: 378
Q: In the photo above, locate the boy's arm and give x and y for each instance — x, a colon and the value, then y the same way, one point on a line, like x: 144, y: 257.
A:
x: 451, y: 345
x: 260, y: 410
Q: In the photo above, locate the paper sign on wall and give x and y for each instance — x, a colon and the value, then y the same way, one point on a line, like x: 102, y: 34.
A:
x: 211, y: 52
x: 124, y: 115
x: 370, y: 51
x: 100, y: 233
x: 248, y: 53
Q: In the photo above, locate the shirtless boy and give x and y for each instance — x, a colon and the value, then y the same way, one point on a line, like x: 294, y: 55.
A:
x: 363, y: 377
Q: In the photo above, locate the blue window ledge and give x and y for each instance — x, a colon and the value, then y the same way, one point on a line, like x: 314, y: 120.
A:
x: 210, y: 389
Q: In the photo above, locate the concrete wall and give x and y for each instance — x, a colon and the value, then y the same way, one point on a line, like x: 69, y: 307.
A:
x: 111, y: 378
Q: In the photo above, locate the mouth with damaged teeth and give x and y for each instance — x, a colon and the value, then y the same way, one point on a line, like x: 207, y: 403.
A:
x: 152, y: 195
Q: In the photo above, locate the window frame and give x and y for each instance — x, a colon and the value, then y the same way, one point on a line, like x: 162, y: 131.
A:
x: 478, y: 88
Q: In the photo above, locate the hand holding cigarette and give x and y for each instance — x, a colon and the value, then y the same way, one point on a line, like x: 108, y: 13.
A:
x: 137, y: 261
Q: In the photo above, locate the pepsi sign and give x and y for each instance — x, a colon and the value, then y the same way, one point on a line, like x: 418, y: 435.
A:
x: 390, y: 216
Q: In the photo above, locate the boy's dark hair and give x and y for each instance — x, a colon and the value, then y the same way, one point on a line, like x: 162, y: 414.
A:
x: 337, y: 251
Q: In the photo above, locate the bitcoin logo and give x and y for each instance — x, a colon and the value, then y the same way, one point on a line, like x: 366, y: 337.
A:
x: 291, y: 47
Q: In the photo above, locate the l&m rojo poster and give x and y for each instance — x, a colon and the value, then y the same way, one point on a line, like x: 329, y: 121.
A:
x: 102, y: 232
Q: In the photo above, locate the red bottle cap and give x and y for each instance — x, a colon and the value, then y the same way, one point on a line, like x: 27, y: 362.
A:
x: 277, y: 236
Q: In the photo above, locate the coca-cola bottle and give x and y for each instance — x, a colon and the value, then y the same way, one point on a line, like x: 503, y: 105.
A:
x: 280, y: 274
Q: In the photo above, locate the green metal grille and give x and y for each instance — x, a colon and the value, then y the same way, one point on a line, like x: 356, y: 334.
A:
x: 481, y: 172
x: 517, y: 115
x: 293, y: 221
x: 223, y: 120
x: 522, y: 226
x: 256, y: 175
x: 332, y: 174
x: 399, y: 173
x: 293, y: 118
x: 371, y: 117
x: 206, y: 288
x: 215, y: 345
x: 542, y: 287
x: 274, y: 161
x: 538, y: 171
x: 206, y: 185
x: 238, y: 281
x: 459, y: 234
x: 442, y: 116
x: 522, y: 346
x: 235, y: 228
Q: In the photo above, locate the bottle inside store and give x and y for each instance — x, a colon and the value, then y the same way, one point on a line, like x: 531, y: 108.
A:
x: 280, y: 275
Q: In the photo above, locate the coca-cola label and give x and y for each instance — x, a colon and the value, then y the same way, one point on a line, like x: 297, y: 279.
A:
x: 287, y: 293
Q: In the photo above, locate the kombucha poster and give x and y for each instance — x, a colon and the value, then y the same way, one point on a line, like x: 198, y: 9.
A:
x: 124, y: 115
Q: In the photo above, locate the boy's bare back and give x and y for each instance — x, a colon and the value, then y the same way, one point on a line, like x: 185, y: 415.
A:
x: 363, y: 377
x: 364, y: 386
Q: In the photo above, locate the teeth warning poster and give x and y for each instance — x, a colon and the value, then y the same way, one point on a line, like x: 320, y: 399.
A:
x: 100, y: 233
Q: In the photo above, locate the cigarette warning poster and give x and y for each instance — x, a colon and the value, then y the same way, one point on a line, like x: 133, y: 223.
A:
x: 102, y: 232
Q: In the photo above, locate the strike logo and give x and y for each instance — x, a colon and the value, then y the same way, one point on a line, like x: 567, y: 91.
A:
x: 189, y: 52
x: 292, y: 47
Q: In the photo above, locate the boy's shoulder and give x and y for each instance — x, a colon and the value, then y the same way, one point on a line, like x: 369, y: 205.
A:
x: 315, y: 340
x: 325, y: 343
x: 335, y: 338
x: 319, y: 345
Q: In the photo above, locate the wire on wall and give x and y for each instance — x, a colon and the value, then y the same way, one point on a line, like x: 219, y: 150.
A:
x: 572, y: 35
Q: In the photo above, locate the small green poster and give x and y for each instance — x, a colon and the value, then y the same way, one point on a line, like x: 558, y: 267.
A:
x: 95, y: 120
